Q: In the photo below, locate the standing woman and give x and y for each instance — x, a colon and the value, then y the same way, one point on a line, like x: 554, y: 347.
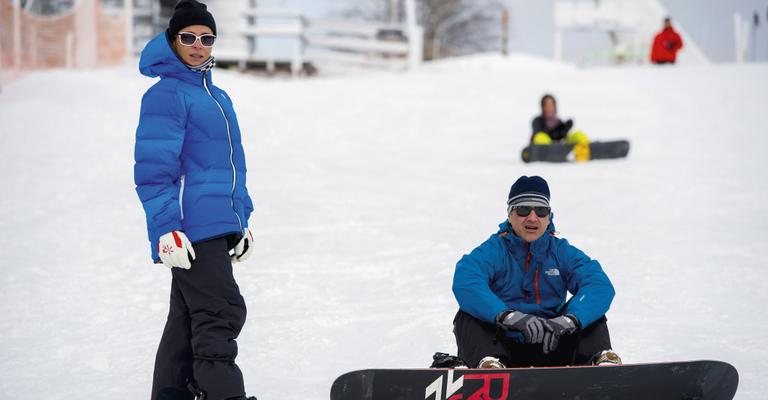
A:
x: 190, y: 177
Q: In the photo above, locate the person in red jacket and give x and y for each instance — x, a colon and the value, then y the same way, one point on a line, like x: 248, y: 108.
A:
x: 666, y: 44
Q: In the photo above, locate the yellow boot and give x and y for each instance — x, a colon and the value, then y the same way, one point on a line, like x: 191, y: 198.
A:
x: 542, y: 138
x: 580, y: 143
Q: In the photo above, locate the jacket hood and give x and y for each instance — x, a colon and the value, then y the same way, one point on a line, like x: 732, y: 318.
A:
x: 159, y: 59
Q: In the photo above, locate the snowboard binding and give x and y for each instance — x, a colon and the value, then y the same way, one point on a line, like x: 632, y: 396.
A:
x: 606, y: 357
x: 445, y: 360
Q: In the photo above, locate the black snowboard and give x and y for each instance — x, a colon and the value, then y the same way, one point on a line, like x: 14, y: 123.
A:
x: 563, y: 152
x: 706, y: 380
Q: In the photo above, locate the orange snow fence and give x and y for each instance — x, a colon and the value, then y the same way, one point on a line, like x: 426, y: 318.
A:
x: 86, y: 36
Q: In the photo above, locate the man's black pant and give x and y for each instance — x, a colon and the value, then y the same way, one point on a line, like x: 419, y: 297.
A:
x: 477, y: 339
x: 205, y: 317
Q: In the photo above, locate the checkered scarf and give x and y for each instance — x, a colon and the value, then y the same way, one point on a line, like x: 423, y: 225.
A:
x: 202, y: 68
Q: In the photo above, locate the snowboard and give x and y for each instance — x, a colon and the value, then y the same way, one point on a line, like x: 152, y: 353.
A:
x: 705, y: 380
x: 563, y: 152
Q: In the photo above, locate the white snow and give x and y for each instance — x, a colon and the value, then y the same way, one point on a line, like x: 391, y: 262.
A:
x: 368, y: 189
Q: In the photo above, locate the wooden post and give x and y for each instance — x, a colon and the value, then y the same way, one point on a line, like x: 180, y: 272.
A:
x: 33, y: 51
x: 297, y: 60
x: 393, y: 11
x: 128, y: 14
x: 504, y: 31
x: 738, y: 38
x: 17, y: 34
x: 69, y: 46
x: 415, y: 36
x: 558, y: 47
x: 86, y: 53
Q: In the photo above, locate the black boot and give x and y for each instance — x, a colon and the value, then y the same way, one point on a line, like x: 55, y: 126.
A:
x: 173, y: 394
x: 199, y: 394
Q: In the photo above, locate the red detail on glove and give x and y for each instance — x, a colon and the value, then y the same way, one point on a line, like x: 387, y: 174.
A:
x: 177, y: 239
x: 165, y: 249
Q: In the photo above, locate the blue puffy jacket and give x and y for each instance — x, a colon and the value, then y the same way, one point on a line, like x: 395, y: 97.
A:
x: 506, y: 273
x: 190, y: 165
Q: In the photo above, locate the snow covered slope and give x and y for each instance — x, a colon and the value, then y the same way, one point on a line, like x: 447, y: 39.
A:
x: 368, y: 189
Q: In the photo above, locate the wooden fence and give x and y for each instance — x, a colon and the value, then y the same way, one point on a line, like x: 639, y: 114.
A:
x: 86, y: 36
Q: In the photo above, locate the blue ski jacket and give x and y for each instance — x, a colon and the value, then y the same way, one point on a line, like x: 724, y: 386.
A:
x: 506, y: 273
x: 189, y: 162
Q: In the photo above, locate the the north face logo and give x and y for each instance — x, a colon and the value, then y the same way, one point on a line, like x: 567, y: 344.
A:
x: 552, y: 272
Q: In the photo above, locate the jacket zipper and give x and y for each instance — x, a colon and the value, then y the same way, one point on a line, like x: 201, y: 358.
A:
x: 231, y: 150
x: 536, y: 274
x: 181, y: 196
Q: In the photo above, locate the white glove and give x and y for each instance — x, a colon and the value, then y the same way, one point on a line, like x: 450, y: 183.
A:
x: 244, y: 247
x: 173, y: 248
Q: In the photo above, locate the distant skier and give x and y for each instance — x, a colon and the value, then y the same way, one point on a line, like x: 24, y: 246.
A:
x: 666, y: 44
x: 512, y: 289
x: 190, y: 177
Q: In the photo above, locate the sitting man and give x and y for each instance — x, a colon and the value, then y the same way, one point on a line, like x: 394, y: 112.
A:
x: 512, y: 289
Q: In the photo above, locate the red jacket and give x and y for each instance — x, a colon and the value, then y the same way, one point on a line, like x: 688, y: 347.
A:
x: 665, y: 46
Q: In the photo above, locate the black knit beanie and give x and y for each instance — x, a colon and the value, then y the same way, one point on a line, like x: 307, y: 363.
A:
x: 189, y: 12
x: 528, y: 191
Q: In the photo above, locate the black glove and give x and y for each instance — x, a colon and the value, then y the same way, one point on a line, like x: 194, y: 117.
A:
x: 556, y: 327
x: 561, y: 131
x: 532, y: 327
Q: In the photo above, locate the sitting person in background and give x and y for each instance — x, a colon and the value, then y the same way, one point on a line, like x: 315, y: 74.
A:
x: 547, y: 128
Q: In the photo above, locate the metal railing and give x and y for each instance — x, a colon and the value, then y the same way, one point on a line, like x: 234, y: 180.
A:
x: 374, y: 44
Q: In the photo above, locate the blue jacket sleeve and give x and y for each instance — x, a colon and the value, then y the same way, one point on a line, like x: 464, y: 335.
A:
x: 248, y: 206
x: 245, y: 199
x: 591, y: 289
x: 157, y: 168
x: 471, y: 281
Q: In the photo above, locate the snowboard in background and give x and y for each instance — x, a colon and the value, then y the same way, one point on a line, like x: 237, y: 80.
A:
x: 705, y: 380
x: 563, y: 152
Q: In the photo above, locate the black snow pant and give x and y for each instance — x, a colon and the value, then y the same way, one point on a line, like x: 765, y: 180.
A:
x: 205, y: 317
x: 477, y: 339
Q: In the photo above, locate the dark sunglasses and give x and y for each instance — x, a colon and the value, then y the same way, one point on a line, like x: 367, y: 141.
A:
x: 189, y: 39
x: 524, y: 211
